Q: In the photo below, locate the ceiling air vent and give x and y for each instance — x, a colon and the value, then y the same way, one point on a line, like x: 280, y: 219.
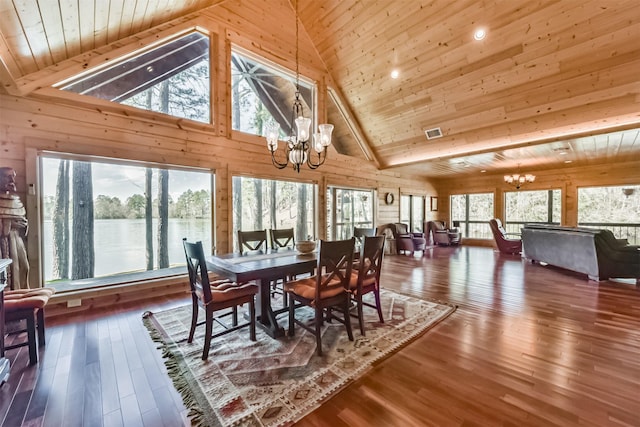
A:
x: 433, y: 133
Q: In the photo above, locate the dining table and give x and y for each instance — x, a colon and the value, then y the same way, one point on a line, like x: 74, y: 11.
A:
x: 263, y: 267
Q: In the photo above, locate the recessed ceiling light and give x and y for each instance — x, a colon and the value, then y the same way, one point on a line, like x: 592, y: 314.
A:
x: 395, y: 74
x: 568, y: 161
x: 483, y: 171
x: 480, y: 34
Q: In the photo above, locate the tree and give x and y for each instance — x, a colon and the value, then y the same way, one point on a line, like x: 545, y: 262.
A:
x: 301, y: 215
x: 135, y: 206
x: 83, y: 253
x: 163, y: 218
x: 108, y: 208
x: 61, y: 223
x: 148, y: 218
x: 257, y: 183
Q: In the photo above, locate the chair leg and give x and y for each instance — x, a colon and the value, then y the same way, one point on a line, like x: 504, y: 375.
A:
x: 252, y: 317
x: 347, y: 318
x: 31, y: 338
x: 291, y: 315
x: 194, y: 321
x: 207, y: 334
x: 40, y: 327
x: 360, y: 314
x: 318, y: 320
x: 378, y: 305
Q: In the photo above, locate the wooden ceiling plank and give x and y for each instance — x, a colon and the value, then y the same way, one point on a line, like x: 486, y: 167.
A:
x: 86, y: 20
x: 8, y: 59
x: 139, y: 14
x: 114, y: 21
x: 28, y: 13
x: 70, y: 22
x: 52, y: 22
x: 100, y: 24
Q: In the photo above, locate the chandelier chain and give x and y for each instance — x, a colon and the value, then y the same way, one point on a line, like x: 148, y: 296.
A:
x: 297, y: 53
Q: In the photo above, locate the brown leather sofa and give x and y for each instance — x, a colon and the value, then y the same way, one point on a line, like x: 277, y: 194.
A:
x: 594, y: 252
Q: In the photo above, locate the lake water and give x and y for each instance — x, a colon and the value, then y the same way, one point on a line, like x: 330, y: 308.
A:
x: 120, y: 244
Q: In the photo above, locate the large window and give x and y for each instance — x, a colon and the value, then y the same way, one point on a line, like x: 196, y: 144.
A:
x: 616, y: 208
x: 412, y: 211
x: 260, y: 204
x: 348, y: 208
x: 538, y: 206
x: 473, y: 212
x: 172, y: 78
x: 261, y: 93
x: 103, y: 219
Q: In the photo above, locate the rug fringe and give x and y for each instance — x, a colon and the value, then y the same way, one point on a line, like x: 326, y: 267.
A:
x: 195, y: 414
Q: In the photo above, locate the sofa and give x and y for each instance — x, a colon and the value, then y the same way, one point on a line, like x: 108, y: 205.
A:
x: 594, y: 252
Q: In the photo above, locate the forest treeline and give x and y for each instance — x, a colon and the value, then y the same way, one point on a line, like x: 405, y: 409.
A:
x: 190, y: 204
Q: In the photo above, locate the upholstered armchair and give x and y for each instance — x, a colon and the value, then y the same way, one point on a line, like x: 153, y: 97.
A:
x: 506, y: 244
x: 407, y: 241
x: 441, y: 235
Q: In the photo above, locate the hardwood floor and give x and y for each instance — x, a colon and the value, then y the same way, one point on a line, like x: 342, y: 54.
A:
x: 528, y: 346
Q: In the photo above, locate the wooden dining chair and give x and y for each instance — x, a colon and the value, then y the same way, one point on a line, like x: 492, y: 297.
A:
x: 328, y: 288
x: 366, y: 278
x: 216, y: 296
x: 359, y: 233
x: 252, y: 240
x: 282, y: 238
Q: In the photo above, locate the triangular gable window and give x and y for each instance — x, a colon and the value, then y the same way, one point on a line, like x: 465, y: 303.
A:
x: 172, y: 78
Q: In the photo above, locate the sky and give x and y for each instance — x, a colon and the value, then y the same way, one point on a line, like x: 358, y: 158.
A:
x: 123, y: 181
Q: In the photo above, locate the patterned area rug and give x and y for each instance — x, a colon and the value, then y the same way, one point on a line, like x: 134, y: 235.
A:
x: 277, y: 382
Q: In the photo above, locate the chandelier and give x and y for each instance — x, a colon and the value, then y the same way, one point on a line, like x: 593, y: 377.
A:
x: 518, y: 180
x: 299, y: 143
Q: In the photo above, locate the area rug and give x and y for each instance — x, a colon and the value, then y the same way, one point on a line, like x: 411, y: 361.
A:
x: 275, y: 382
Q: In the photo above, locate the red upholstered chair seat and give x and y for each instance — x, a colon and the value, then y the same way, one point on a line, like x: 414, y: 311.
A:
x: 307, y: 287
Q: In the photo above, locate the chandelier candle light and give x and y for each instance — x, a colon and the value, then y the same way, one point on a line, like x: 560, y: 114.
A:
x: 298, y: 147
x: 517, y: 180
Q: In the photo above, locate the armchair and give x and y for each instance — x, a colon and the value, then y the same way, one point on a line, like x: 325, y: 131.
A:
x: 441, y: 235
x: 505, y: 244
x: 408, y: 241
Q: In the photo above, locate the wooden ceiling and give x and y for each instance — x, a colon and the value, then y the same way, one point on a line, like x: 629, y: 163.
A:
x: 550, y: 77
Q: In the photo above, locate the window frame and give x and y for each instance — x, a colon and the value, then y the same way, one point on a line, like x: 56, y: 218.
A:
x: 483, y: 225
x: 282, y: 72
x: 119, y: 277
x: 232, y: 244
x: 332, y: 216
x: 411, y: 220
x: 141, y: 112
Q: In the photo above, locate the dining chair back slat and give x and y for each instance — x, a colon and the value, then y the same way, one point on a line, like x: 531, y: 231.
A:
x: 282, y: 238
x: 252, y: 240
x: 360, y: 233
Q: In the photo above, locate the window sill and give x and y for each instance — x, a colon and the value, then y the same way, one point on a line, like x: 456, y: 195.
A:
x: 118, y: 280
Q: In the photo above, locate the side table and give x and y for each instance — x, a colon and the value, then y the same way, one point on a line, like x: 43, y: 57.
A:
x: 4, y: 362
